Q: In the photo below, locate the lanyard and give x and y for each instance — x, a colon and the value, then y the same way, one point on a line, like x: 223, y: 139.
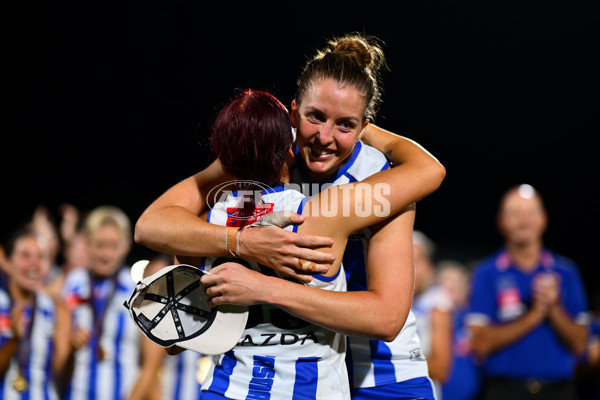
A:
x: 100, y: 306
x: 20, y: 383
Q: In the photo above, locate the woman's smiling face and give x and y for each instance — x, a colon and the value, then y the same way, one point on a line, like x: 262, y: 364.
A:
x: 29, y: 267
x: 329, y: 122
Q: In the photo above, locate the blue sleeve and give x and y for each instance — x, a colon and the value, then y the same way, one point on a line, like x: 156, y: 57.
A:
x: 482, y: 298
x: 299, y: 211
x: 574, y: 294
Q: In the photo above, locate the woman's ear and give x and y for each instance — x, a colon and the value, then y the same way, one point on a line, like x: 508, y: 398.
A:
x: 364, y: 128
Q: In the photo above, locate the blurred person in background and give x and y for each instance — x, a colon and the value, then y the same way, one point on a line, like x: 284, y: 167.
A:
x: 34, y: 328
x: 180, y: 375
x: 74, y: 247
x: 44, y: 225
x: 113, y: 360
x: 528, y: 308
x: 465, y: 375
x: 587, y: 372
x: 433, y: 310
x: 63, y: 242
x: 3, y: 268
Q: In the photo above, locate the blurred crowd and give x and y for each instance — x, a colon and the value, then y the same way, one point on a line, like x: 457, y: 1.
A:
x: 515, y: 324
x: 515, y: 321
x: 64, y: 332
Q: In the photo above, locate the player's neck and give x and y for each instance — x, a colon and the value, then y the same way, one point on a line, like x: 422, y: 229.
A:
x: 525, y: 256
x: 19, y: 294
x: 284, y: 177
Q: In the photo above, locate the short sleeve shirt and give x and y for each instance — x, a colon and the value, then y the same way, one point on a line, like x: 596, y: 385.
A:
x: 502, y: 293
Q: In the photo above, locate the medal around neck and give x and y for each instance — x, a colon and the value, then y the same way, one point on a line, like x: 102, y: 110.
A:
x: 170, y: 308
x: 20, y: 383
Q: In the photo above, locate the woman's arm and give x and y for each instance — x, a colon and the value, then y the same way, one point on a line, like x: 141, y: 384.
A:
x: 172, y: 225
x: 354, y: 206
x: 8, y: 348
x: 64, y: 351
x: 440, y: 359
x: 152, y: 358
x: 377, y: 313
x: 387, y: 142
x: 62, y: 338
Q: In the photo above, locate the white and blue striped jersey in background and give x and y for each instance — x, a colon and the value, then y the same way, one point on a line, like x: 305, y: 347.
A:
x: 370, y: 362
x: 38, y: 368
x: 179, y: 376
x: 434, y: 297
x: 112, y: 376
x: 280, y: 356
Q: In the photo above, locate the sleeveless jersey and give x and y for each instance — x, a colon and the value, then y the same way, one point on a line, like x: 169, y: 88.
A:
x: 38, y: 365
x: 371, y: 362
x: 106, y: 368
x: 434, y: 297
x: 279, y: 356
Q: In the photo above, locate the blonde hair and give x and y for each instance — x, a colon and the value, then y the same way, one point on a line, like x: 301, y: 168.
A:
x: 108, y: 215
x: 420, y: 239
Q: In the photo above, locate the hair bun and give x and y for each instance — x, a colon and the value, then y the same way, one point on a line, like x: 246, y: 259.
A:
x: 364, y: 49
x: 353, y: 59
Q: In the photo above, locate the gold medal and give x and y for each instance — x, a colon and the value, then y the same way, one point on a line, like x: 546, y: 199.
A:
x: 20, y: 384
x: 100, y: 353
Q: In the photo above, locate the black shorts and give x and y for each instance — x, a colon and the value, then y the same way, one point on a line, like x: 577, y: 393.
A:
x: 504, y: 388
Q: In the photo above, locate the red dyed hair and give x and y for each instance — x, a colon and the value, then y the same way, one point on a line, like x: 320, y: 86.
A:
x: 251, y: 136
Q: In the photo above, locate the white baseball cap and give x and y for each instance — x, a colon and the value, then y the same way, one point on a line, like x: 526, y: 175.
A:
x: 170, y: 308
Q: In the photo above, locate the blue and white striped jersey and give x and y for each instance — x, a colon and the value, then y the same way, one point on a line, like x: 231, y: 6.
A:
x: 106, y: 369
x: 38, y: 365
x: 280, y: 356
x: 179, y: 376
x: 371, y: 362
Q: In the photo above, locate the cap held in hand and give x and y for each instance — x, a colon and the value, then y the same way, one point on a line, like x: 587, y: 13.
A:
x: 170, y: 308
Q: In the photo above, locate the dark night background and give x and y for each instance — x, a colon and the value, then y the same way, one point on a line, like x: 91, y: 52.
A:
x: 109, y: 101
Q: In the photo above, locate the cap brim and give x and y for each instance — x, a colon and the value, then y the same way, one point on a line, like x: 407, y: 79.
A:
x: 215, y: 331
x: 224, y: 333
